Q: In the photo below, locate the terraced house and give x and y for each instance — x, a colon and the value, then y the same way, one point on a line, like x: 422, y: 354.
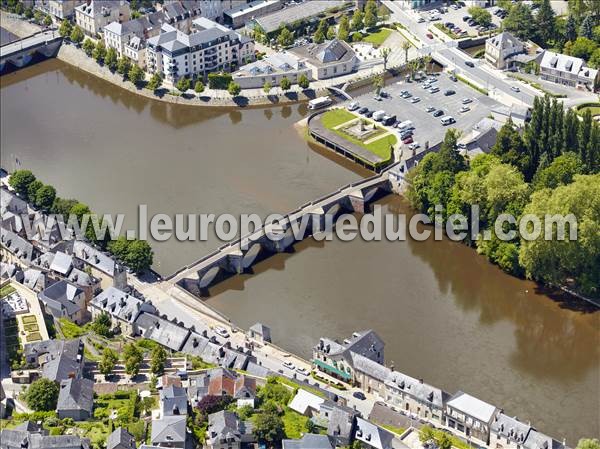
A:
x: 210, y: 47
x: 94, y: 15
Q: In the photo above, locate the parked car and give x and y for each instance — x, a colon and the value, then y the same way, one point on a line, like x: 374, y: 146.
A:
x: 438, y: 113
x: 353, y: 106
x: 408, y: 140
x: 359, y: 395
x: 369, y: 114
x: 420, y: 20
x: 469, y: 63
x: 449, y: 25
x: 389, y: 120
x: 453, y: 78
x: 415, y: 99
x: 405, y: 135
x: 406, y: 95
x: 289, y: 365
x: 430, y: 36
x: 434, y: 89
x: 466, y: 101
x: 447, y: 120
x: 464, y: 109
x: 378, y: 115
x: 378, y: 98
x: 414, y: 146
x: 515, y: 89
x: 384, y: 94
x: 221, y: 331
x: 466, y: 18
x: 429, y: 109
x: 363, y: 110
x: 302, y: 371
x: 449, y: 92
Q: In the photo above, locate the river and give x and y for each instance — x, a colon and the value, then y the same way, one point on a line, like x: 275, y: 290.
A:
x: 445, y: 313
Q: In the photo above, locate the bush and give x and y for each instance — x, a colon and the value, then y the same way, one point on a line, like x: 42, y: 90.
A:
x: 219, y: 80
x: 234, y: 89
x: 199, y: 87
x: 42, y: 395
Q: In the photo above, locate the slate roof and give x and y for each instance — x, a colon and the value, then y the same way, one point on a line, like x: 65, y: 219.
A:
x: 226, y: 425
x: 504, y: 40
x: 511, y: 428
x: 61, y: 263
x: 328, y: 52
x: 13, y: 439
x: 95, y: 7
x: 472, y: 406
x: 537, y: 440
x: 81, y: 278
x: 17, y: 246
x: 373, y: 435
x: 173, y: 400
x: 121, y: 305
x: 33, y: 278
x: 63, y: 357
x: 169, y: 430
x: 12, y: 203
x: 76, y: 394
x: 162, y: 331
x: 369, y: 367
x: 94, y: 257
x: 61, y: 296
x: 308, y: 441
x: 341, y: 419
x: 416, y: 388
x: 120, y: 439
x: 563, y: 63
x: 215, y: 353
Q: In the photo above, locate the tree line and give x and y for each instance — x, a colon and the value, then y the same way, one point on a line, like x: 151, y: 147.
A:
x: 136, y: 254
x: 550, y: 167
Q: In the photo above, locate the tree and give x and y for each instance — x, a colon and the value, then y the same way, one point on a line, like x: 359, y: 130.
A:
x: 62, y: 206
x: 108, y: 361
x: 139, y: 255
x: 561, y: 171
x: 385, y: 54
x: 119, y: 247
x: 519, y: 21
x: 370, y: 20
x: 344, y: 29
x: 183, y: 84
x: 269, y: 427
x: 19, y: 8
x: 102, y: 325
x: 571, y: 28
x: 357, y: 20
x: 267, y: 87
x: 331, y: 33
x: 426, y: 434
x: 77, y: 37
x: 44, y: 197
x: 133, y: 357
x: 509, y: 147
x: 545, y: 22
x: 38, y: 16
x: 33, y: 188
x: 210, y: 404
x: 42, y: 395
x: 65, y: 28
x: 405, y: 47
x: 111, y: 59
x: 383, y: 13
x: 155, y: 82
x: 234, y: 89
x: 378, y: 83
x: 587, y: 27
x: 320, y: 33
x: 123, y: 66
x: 99, y: 52
x: 47, y: 20
x: 274, y: 391
x: 28, y: 13
x: 135, y: 74
x: 303, y: 81
x: 285, y: 37
x: 199, y: 87
x: 88, y: 45
x: 594, y: 60
x: 285, y: 83
x: 20, y: 181
x: 480, y: 15
x: 588, y: 443
x: 158, y: 360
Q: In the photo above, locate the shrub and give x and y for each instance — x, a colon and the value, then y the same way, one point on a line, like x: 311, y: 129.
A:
x: 219, y: 80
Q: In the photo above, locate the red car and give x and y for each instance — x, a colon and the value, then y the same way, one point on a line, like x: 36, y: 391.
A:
x: 430, y: 36
x: 408, y: 140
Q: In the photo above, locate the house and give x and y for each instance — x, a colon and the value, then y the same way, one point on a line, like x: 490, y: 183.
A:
x: 119, y: 35
x: 416, y: 4
x: 308, y: 441
x: 59, y: 9
x: 470, y: 416
x: 64, y: 300
x: 481, y: 139
x: 414, y: 397
x: 15, y: 249
x: 209, y: 350
x: 567, y: 70
x: 120, y: 439
x: 306, y: 403
x: 100, y: 264
x: 169, y: 431
x: 11, y: 271
x: 34, y: 279
x: 501, y: 49
x: 339, y: 420
x: 211, y: 47
x: 272, y: 69
x: 238, y: 16
x: 508, y: 433
x: 226, y: 382
x: 75, y: 399
x: 57, y: 359
x: 537, y: 440
x: 519, y: 115
x: 94, y: 15
x: 260, y: 333
x: 122, y: 308
x: 329, y: 59
x: 227, y: 431
x: 372, y: 435
x: 337, y: 359
x: 162, y: 331
x: 20, y: 439
x: 173, y: 401
x: 10, y: 202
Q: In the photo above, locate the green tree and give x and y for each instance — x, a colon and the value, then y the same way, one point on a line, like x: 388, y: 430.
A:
x: 519, y: 21
x: 44, y: 197
x: 320, y: 33
x: 183, y: 84
x: 88, y: 45
x: 20, y: 181
x: 38, y: 16
x: 19, y: 8
x: 594, y: 60
x: 123, y: 66
x: 385, y: 54
x: 383, y: 13
x: 102, y: 325
x: 33, y: 188
x: 545, y: 22
x: 77, y: 37
x: 330, y: 33
x: 370, y: 20
x: 303, y: 81
x: 405, y: 47
x: 155, y: 82
x: 119, y: 247
x: 108, y: 361
x: 588, y: 443
x: 158, y: 360
x: 42, y: 395
x: 29, y: 13
x: 426, y: 433
x: 480, y: 15
x: 378, y: 83
x: 139, y: 255
x: 509, y: 147
x: 344, y: 29
x: 62, y: 206
x: 571, y: 28
x: 587, y: 27
x: 133, y: 357
x: 561, y: 171
x: 79, y: 210
x: 566, y: 262
x: 582, y: 47
x: 47, y: 20
x: 267, y: 87
x: 65, y: 28
x: 357, y: 20
x: 99, y: 52
x: 199, y: 87
x: 111, y: 59
x: 285, y: 37
x: 135, y: 74
x: 274, y: 391
x: 234, y: 89
x: 285, y: 84
x: 269, y: 427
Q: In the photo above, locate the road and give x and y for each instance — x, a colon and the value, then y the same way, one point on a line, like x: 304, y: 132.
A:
x: 494, y: 80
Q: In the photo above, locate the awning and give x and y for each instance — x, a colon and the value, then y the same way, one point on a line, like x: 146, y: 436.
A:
x: 332, y: 369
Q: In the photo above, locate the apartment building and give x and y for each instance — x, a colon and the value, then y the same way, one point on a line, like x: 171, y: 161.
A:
x: 94, y: 15
x: 567, y: 70
x: 59, y: 9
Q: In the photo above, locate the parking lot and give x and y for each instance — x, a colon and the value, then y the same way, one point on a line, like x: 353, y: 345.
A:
x: 428, y: 128
x: 456, y: 17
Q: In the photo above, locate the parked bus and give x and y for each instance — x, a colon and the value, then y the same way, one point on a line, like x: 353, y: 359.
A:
x: 319, y: 103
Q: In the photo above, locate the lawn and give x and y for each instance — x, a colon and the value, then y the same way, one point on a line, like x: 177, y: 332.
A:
x: 294, y: 423
x: 34, y: 336
x: 6, y: 290
x: 377, y: 38
x: 70, y: 330
x: 395, y: 429
x: 29, y: 319
x: 336, y: 117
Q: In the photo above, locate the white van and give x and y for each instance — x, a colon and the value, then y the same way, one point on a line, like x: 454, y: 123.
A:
x: 353, y: 106
x: 320, y: 102
x: 378, y: 115
x: 407, y: 124
x: 447, y: 120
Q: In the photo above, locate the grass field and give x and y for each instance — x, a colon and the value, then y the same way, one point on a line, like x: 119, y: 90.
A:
x: 336, y: 117
x: 294, y: 423
x: 377, y: 38
x: 70, y: 330
x: 594, y: 108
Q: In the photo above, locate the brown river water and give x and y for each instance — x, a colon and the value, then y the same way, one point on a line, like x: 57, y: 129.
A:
x: 446, y: 314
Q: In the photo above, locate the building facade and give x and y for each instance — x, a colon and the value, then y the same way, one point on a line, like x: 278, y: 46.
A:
x: 94, y: 15
x: 59, y: 9
x: 567, y: 70
x: 500, y: 49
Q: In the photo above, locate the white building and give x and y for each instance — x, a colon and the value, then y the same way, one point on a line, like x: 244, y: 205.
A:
x: 329, y: 59
x: 566, y: 70
x: 119, y: 35
x: 209, y: 48
x: 94, y: 15
x: 238, y: 16
x: 500, y: 49
x: 272, y: 69
x: 59, y: 9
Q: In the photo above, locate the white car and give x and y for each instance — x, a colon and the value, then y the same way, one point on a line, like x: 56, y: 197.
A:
x: 515, y: 89
x: 302, y: 371
x: 414, y: 146
x: 429, y: 109
x: 289, y: 365
x: 465, y: 109
x: 221, y: 331
x: 434, y: 89
x: 467, y: 101
x: 415, y: 99
x: 420, y: 20
x: 353, y: 106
